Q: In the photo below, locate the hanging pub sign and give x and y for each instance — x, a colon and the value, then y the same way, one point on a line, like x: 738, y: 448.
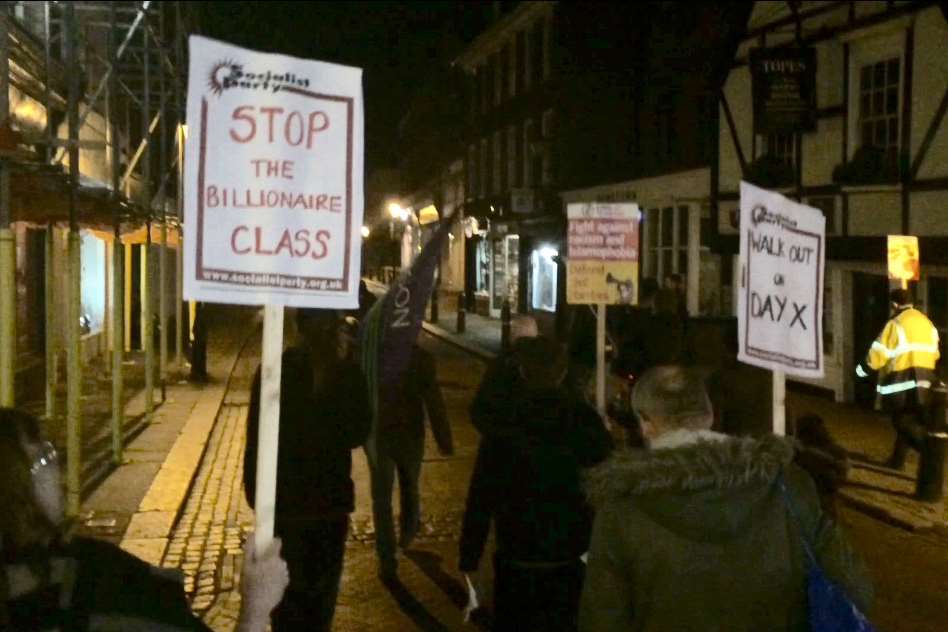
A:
x: 784, y: 86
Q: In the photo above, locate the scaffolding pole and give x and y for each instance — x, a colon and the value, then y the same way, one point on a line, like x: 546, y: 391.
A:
x: 52, y: 359
x: 118, y: 263
x: 147, y: 332
x: 73, y: 362
x: 7, y: 244
x: 179, y: 196
x: 163, y: 250
x: 52, y: 339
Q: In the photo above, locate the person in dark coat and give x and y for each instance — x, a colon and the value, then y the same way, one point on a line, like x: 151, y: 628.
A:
x: 528, y: 484
x: 741, y: 394
x: 324, y: 415
x: 695, y: 533
x: 490, y: 409
x: 51, y: 579
x: 400, y: 447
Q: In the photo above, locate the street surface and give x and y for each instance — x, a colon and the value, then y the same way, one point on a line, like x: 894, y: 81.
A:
x: 909, y: 569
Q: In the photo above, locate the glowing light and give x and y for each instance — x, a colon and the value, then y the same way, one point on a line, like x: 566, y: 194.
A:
x: 366, y: 231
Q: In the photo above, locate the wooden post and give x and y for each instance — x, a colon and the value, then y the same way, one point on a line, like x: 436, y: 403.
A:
x: 269, y: 425
x: 780, y: 401
x: 601, y: 361
x: 52, y: 357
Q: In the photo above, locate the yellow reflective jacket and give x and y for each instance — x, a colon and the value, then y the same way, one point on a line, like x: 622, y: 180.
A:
x: 905, y: 354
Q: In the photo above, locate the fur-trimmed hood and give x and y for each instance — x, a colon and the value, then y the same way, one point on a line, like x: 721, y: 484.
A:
x: 708, y: 489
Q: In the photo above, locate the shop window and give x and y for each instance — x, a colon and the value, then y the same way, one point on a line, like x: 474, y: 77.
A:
x: 879, y: 107
x: 92, y: 253
x: 482, y: 263
x: 543, y: 279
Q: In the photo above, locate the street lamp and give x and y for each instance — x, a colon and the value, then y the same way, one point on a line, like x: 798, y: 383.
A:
x: 366, y: 231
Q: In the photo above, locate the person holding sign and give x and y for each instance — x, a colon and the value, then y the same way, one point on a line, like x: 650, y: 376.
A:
x: 904, y: 355
x: 324, y: 415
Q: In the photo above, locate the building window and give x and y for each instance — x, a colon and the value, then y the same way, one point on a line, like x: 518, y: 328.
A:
x: 500, y: 75
x: 472, y: 170
x: 879, y: 106
x: 504, y: 158
x: 543, y: 279
x: 667, y: 124
x: 782, y: 147
x: 536, y: 51
x: 513, y: 158
x: 497, y: 165
x: 547, y: 144
x: 484, y: 178
x: 528, y: 180
x: 666, y: 242
x: 510, y: 59
x: 521, y: 61
x: 547, y: 48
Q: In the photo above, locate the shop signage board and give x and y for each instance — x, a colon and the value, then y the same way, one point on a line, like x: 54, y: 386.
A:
x: 904, y: 262
x: 273, y: 203
x: 273, y: 182
x: 784, y: 89
x: 602, y: 254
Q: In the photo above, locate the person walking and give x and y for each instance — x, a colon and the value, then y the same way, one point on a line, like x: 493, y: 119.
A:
x: 324, y: 415
x: 904, y: 355
x: 702, y: 531
x: 527, y: 482
x: 50, y: 580
x: 400, y: 448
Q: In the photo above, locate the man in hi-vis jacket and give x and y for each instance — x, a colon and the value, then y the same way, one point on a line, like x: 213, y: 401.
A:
x: 904, y: 355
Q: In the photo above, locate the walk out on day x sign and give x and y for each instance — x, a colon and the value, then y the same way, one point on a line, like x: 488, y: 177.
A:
x: 780, y: 305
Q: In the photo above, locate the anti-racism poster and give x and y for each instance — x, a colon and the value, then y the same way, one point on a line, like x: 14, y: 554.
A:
x: 780, y: 303
x: 273, y: 180
x: 602, y: 254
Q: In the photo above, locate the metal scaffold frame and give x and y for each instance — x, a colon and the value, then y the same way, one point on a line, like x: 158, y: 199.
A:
x: 120, y: 66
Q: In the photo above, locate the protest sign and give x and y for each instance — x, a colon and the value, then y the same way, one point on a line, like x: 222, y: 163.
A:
x: 273, y: 203
x: 780, y: 303
x: 602, y: 265
x: 273, y: 179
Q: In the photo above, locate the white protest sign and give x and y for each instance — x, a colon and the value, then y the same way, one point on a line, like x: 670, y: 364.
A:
x: 273, y: 179
x: 780, y: 306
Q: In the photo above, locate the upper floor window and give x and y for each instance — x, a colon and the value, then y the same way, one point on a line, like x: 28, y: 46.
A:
x: 879, y: 106
x: 782, y: 147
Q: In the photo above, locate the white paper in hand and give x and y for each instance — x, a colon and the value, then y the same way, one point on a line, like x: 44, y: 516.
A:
x: 472, y: 602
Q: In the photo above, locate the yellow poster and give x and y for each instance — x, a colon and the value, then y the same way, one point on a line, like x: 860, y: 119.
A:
x: 603, y: 254
x: 903, y: 258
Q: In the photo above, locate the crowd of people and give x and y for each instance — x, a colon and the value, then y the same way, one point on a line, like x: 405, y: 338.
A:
x: 693, y: 516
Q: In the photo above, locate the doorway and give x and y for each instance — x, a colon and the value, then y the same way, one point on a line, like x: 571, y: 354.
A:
x: 870, y: 313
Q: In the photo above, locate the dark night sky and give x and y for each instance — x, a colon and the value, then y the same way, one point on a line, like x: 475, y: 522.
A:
x: 393, y: 41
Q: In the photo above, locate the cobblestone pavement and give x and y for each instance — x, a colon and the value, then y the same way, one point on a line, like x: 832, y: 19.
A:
x: 207, y: 541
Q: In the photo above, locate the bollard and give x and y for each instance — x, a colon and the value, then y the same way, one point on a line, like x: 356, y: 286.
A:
x: 929, y: 485
x: 505, y: 326
x: 462, y: 314
x: 434, y: 307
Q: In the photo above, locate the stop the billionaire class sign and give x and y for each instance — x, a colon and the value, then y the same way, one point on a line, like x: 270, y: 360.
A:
x: 273, y: 188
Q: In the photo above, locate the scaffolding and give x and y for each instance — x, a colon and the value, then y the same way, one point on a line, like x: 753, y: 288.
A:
x: 94, y: 141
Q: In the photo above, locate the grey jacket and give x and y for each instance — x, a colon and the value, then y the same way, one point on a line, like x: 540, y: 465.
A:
x: 698, y: 537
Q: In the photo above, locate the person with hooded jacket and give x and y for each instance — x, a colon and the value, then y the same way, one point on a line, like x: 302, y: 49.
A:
x: 528, y: 483
x: 696, y: 533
